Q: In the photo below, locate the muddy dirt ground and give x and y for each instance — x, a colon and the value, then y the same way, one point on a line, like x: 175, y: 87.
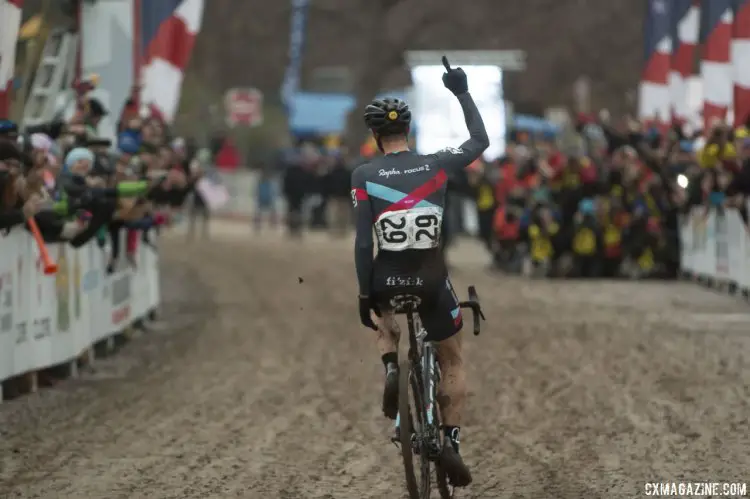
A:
x: 264, y: 387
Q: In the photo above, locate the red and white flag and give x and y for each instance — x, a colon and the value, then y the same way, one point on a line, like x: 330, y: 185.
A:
x: 654, y: 97
x: 741, y: 61
x: 10, y: 23
x: 168, y: 29
x: 685, y: 33
x: 716, y: 67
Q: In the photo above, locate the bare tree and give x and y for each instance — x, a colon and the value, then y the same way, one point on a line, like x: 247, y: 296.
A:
x: 387, y: 28
x: 245, y: 44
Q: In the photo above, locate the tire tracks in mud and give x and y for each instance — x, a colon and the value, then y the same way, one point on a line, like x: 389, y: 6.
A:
x: 38, y: 455
x: 273, y: 390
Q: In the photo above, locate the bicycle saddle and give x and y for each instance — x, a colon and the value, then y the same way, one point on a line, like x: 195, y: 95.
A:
x: 402, y: 304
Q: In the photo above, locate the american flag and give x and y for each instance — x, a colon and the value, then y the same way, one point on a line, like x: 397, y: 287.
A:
x: 716, y: 67
x: 654, y: 102
x: 740, y: 58
x: 10, y: 22
x: 720, y: 29
x: 168, y: 31
x: 684, y: 33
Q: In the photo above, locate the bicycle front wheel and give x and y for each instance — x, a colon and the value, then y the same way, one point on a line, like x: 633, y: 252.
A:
x: 411, y: 425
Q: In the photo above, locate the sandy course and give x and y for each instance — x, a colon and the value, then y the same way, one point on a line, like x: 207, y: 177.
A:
x: 267, y: 387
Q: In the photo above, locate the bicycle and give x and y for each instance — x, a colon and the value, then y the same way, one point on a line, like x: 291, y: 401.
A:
x: 419, y: 377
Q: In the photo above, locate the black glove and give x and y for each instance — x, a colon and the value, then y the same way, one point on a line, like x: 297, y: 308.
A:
x: 365, y: 305
x: 454, y: 79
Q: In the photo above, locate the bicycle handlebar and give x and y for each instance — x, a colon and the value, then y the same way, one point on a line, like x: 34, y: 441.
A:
x: 476, y: 308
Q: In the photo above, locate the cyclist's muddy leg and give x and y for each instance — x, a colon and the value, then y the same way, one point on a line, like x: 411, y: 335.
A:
x: 451, y: 398
x: 388, y: 336
x: 388, y: 332
x: 452, y: 392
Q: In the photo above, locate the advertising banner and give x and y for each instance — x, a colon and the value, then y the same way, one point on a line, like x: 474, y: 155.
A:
x: 47, y: 320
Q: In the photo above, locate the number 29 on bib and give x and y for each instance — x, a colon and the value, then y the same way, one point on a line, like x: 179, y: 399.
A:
x: 417, y: 228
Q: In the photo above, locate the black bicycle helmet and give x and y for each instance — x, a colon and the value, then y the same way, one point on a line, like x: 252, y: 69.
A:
x: 388, y: 117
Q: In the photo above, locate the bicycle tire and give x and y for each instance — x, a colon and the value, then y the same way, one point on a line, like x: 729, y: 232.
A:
x: 417, y: 386
x: 405, y: 428
x: 417, y: 381
x: 441, y: 478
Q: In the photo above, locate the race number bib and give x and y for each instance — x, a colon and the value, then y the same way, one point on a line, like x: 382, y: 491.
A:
x: 417, y: 228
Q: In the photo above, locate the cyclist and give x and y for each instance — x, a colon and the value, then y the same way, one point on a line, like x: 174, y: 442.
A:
x: 402, y: 195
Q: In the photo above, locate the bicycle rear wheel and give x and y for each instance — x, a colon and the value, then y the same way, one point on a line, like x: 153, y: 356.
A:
x: 442, y: 483
x: 411, y: 423
x: 441, y: 479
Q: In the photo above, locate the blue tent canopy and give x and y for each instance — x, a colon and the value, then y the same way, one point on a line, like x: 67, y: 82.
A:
x: 322, y: 114
x: 534, y: 124
x: 319, y: 113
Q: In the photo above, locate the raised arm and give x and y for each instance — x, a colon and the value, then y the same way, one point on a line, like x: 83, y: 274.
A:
x: 452, y: 159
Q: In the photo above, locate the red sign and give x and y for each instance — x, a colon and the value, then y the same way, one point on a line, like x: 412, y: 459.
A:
x: 244, y: 106
x: 120, y: 315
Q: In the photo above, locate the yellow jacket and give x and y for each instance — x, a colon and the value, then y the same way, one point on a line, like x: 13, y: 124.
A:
x: 710, y: 156
x: 541, y: 243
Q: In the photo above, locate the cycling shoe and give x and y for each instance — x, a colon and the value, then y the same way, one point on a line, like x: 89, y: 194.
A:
x: 390, y: 392
x: 451, y: 462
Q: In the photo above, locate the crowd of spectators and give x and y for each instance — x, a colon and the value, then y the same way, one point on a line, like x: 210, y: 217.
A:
x: 79, y: 187
x: 604, y: 198
x: 599, y: 198
x: 316, y: 183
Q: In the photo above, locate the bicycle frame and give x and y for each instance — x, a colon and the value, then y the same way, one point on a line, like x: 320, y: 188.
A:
x: 424, y: 360
x: 420, y: 375
x: 427, y: 371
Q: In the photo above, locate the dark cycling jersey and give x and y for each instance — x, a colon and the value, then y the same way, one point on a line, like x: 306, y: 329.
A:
x: 402, y: 196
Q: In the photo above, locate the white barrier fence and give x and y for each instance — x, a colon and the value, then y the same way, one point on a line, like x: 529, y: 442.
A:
x: 50, y: 320
x: 716, y: 246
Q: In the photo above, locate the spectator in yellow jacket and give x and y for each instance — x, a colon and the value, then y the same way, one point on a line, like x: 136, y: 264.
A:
x: 718, y: 149
x: 740, y: 134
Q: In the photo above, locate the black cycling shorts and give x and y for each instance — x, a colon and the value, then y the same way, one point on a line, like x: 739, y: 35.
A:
x: 439, y: 309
